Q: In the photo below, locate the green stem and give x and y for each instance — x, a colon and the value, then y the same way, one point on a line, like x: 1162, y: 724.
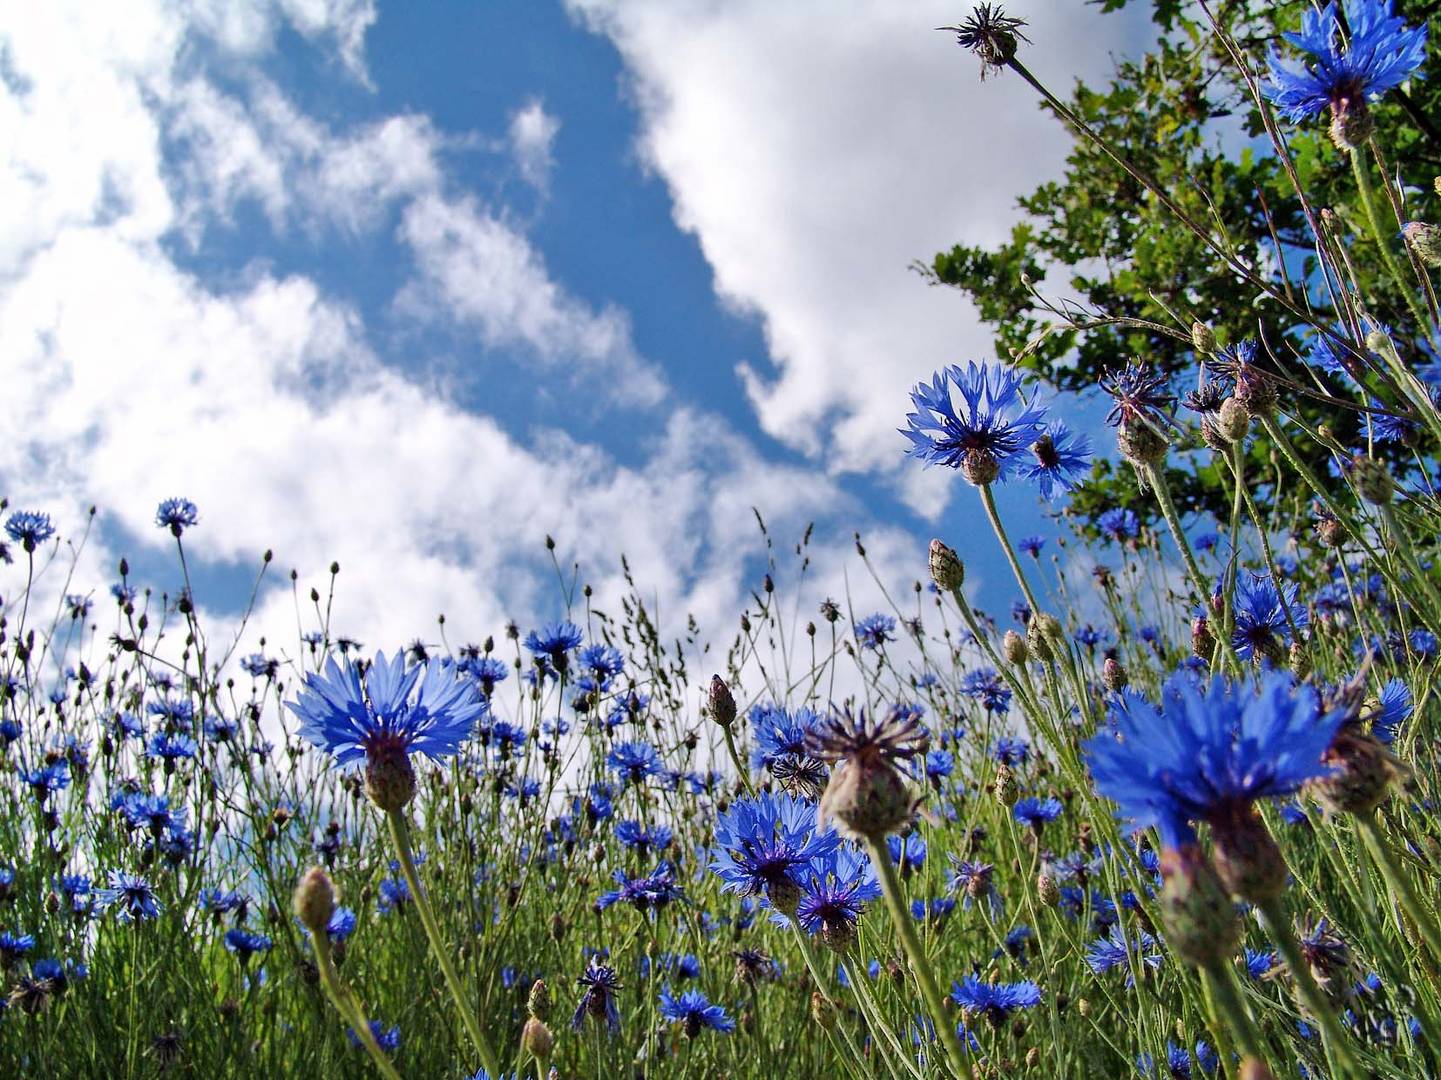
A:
x: 1273, y: 920
x: 1173, y: 522
x: 1368, y: 203
x: 741, y: 770
x: 1220, y: 983
x: 349, y: 1007
x: 1379, y: 845
x: 989, y: 502
x: 881, y: 856
x: 400, y: 835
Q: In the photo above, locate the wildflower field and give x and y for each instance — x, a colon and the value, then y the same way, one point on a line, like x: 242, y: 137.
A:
x: 1172, y: 815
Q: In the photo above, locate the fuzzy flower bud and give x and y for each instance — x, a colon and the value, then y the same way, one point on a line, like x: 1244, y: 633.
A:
x: 537, y: 1039
x: 1363, y: 773
x: 1254, y: 1069
x: 390, y: 779
x: 1141, y: 445
x: 946, y: 569
x: 1014, y: 648
x: 1113, y: 676
x: 1006, y: 790
x: 314, y: 900
x: 1425, y: 241
x: 1202, y: 640
x: 1372, y: 479
x: 1203, y: 340
x: 1047, y: 891
x: 1247, y: 859
x: 722, y: 702
x: 1200, y: 921
x: 538, y: 1003
x: 1046, y: 637
x: 1233, y: 420
x: 823, y: 1011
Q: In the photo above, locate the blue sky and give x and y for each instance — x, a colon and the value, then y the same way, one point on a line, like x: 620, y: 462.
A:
x: 413, y: 286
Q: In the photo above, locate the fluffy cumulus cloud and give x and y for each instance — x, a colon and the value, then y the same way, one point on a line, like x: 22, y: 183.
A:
x: 267, y: 400
x: 815, y: 153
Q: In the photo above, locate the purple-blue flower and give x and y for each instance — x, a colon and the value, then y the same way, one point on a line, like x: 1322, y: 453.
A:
x: 177, y: 515
x: 1382, y: 52
x: 1061, y: 457
x: 694, y: 1011
x: 995, y: 1000
x: 985, y: 434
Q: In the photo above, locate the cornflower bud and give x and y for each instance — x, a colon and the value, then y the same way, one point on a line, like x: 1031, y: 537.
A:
x: 1425, y: 241
x: 1014, y: 648
x: 1203, y: 340
x: 538, y: 1003
x: 823, y: 1011
x: 314, y: 900
x: 1047, y: 891
x: 722, y: 702
x: 537, y: 1039
x: 946, y: 569
x: 1233, y: 420
x: 1113, y: 676
x: 1006, y: 790
x: 1198, y: 916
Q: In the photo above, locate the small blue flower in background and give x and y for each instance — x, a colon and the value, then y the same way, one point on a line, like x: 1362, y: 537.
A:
x: 598, y: 1000
x: 994, y: 1001
x: 388, y: 1039
x: 130, y: 894
x: 633, y: 762
x: 552, y: 644
x: 245, y: 944
x: 694, y: 1011
x: 875, y: 630
x: 1062, y: 456
x: 1382, y: 53
x: 177, y: 515
x: 986, y: 434
x: 29, y: 529
x: 1032, y: 545
x: 1260, y: 612
x: 426, y: 710
x: 1394, y: 709
x: 1116, y: 950
x: 1118, y: 524
x: 1037, y: 813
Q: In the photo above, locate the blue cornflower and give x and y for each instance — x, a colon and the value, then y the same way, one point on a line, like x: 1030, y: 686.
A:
x: 1178, y: 1063
x: 1141, y: 397
x: 694, y: 1011
x: 341, y: 925
x: 394, y: 893
x: 647, y: 894
x: 875, y: 630
x: 260, y: 666
x: 131, y: 894
x: 220, y: 902
x: 907, y: 852
x: 1381, y: 54
x: 994, y: 1001
x: 152, y: 812
x: 245, y: 944
x: 1210, y: 751
x: 598, y: 1001
x: 835, y: 890
x: 177, y: 515
x: 1011, y: 752
x: 644, y: 840
x: 1116, y: 950
x: 939, y: 764
x: 486, y: 671
x: 1036, y: 812
x: 388, y: 1039
x: 1032, y: 545
x: 1260, y: 611
x: 14, y: 946
x: 602, y: 663
x: 170, y: 748
x: 387, y: 714
x: 984, y: 437
x: 975, y: 881
x: 43, y: 782
x: 1061, y: 457
x: 29, y: 529
x: 763, y: 843
x: 1118, y: 524
x: 1394, y: 709
x: 633, y: 762
x: 1259, y: 963
x: 552, y: 643
x: 987, y: 687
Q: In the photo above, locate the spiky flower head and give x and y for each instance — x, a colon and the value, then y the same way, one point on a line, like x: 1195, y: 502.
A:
x: 763, y: 845
x: 867, y: 794
x: 598, y: 1000
x: 386, y: 713
x: 177, y: 515
x: 29, y: 529
x: 985, y: 435
x: 835, y: 890
x: 1141, y: 411
x: 694, y: 1012
x: 991, y: 34
x: 1210, y: 751
x: 994, y: 1001
x: 1380, y: 53
x: 1263, y: 628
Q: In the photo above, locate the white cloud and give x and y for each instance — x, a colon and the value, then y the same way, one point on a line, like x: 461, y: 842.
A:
x: 532, y: 142
x: 477, y: 270
x: 815, y: 154
x: 129, y: 379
